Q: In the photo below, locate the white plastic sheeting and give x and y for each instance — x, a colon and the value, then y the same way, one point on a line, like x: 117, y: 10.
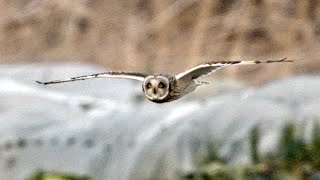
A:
x: 105, y: 129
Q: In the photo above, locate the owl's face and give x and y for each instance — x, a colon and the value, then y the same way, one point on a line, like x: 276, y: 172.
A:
x: 156, y: 88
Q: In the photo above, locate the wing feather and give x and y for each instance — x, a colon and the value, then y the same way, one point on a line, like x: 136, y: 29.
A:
x: 111, y: 74
x: 210, y: 67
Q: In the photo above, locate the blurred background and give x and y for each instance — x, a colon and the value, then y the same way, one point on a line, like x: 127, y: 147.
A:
x: 162, y: 35
x: 257, y: 121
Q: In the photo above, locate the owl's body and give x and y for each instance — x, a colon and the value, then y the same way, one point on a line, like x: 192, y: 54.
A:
x: 181, y: 89
x: 175, y: 89
x: 161, y: 88
x: 172, y: 88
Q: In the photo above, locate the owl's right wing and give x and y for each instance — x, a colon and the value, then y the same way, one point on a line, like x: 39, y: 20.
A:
x: 110, y: 74
x: 210, y: 67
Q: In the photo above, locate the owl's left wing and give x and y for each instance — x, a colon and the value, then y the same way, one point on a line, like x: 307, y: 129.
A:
x: 110, y: 74
x: 210, y: 67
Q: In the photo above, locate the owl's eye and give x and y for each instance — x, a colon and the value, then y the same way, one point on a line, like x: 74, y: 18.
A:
x: 149, y: 85
x: 161, y: 85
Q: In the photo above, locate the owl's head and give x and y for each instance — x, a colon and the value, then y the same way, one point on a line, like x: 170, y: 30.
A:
x: 156, y: 88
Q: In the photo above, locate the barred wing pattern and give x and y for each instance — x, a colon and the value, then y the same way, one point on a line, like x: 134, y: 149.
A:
x: 111, y: 74
x: 210, y: 67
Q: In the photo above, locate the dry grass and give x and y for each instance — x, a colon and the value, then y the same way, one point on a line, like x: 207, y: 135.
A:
x: 164, y: 35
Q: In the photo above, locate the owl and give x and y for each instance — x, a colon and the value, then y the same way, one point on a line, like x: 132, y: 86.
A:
x: 162, y: 88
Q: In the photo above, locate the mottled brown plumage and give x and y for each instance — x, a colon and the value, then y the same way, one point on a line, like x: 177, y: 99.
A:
x: 161, y: 88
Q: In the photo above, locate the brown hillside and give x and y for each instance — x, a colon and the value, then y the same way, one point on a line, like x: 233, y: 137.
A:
x: 164, y: 35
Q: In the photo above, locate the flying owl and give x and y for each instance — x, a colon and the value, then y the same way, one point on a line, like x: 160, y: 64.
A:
x: 161, y: 88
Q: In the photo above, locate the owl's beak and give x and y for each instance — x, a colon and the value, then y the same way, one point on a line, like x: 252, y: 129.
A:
x: 154, y: 90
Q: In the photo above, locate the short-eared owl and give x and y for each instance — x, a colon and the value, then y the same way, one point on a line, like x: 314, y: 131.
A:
x: 162, y: 88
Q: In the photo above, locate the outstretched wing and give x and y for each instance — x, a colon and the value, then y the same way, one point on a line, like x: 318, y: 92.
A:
x: 111, y: 74
x: 210, y: 67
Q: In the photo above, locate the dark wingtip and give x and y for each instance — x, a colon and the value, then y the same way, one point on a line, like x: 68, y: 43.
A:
x: 273, y: 61
x: 285, y: 60
x: 40, y: 82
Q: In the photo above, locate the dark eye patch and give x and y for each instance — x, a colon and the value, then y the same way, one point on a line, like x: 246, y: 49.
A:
x: 22, y: 143
x: 71, y: 141
x: 149, y: 86
x: 88, y: 143
x: 161, y: 85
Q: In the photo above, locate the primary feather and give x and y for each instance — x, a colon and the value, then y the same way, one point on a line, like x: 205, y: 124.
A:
x: 210, y: 67
x: 111, y: 74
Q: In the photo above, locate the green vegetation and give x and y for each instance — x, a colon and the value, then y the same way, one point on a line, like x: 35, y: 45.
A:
x: 254, y: 143
x: 294, y: 159
x: 40, y: 175
x: 315, y: 146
